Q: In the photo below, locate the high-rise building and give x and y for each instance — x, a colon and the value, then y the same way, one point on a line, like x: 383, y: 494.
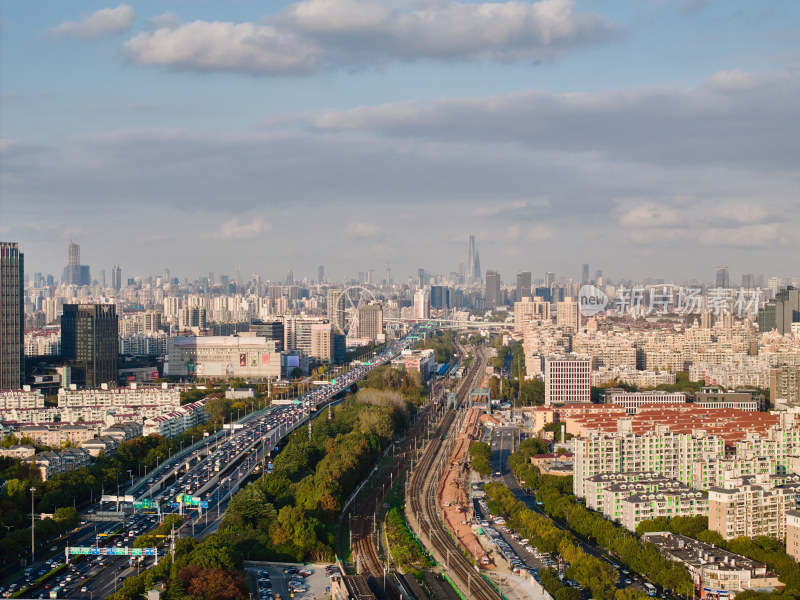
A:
x: 471, y: 260
x: 549, y: 279
x: 440, y: 297
x: 74, y: 272
x: 585, y: 273
x: 422, y: 304
x: 473, y: 263
x: 784, y: 386
x: 73, y: 254
x: 523, y: 286
x: 370, y: 321
x: 568, y: 314
x: 336, y: 306
x: 320, y: 274
x: 89, y: 343
x: 12, y: 317
x: 271, y: 330
x: 748, y: 281
x: 566, y: 380
x: 494, y: 295
x: 723, y: 278
x: 116, y: 277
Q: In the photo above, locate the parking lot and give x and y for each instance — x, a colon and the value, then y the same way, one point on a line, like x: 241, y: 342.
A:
x: 268, y: 580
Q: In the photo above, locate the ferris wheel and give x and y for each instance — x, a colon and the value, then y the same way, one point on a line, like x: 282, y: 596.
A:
x: 345, y: 310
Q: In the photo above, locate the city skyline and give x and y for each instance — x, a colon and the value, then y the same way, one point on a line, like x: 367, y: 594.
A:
x: 382, y: 139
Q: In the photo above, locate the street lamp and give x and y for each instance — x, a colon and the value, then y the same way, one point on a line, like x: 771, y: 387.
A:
x: 33, y: 519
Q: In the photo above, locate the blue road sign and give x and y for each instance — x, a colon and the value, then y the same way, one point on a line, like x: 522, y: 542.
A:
x: 203, y: 504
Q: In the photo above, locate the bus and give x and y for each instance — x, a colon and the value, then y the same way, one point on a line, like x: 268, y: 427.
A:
x: 650, y: 589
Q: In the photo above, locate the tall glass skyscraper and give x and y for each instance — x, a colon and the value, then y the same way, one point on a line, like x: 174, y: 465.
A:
x: 12, y: 317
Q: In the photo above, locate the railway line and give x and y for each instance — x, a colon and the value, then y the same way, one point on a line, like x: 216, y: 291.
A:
x: 421, y: 496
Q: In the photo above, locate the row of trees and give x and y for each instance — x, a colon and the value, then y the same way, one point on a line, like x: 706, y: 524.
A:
x: 291, y: 513
x: 555, y: 494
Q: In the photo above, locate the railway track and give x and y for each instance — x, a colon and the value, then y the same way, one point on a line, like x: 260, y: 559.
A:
x: 421, y: 499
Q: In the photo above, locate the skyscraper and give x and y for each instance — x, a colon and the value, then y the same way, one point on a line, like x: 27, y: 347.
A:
x: 440, y: 297
x: 12, y: 317
x: 89, y: 343
x: 549, y: 279
x: 74, y: 272
x: 473, y: 262
x: 320, y: 274
x: 585, y: 273
x: 494, y: 295
x: 723, y: 277
x: 422, y: 304
x: 523, y: 286
x: 116, y: 277
x: 336, y: 310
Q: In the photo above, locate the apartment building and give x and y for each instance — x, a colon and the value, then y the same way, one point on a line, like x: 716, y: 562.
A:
x: 793, y: 534
x: 55, y: 463
x: 716, y: 573
x: 680, y: 501
x: 566, y: 379
x: 173, y: 423
x: 24, y: 398
x: 753, y: 505
x: 669, y: 454
x: 132, y: 403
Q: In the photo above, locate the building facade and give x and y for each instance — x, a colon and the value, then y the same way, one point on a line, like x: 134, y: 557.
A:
x: 89, y: 343
x: 12, y: 317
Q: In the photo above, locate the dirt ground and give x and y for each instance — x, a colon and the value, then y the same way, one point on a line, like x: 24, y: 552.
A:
x: 453, y: 493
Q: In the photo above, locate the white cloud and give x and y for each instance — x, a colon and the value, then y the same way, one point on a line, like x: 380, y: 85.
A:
x: 219, y: 46
x: 314, y: 34
x: 236, y: 229
x: 102, y: 23
x: 707, y: 124
x: 360, y: 230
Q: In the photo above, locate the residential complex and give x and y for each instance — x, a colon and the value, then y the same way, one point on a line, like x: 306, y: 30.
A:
x: 716, y: 573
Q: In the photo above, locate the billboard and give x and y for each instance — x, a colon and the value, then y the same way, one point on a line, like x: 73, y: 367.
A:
x: 242, y: 359
x: 264, y: 359
x: 254, y: 360
x: 293, y: 360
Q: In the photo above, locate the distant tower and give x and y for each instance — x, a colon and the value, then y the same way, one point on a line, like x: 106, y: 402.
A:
x: 12, y: 317
x: 116, y: 277
x: 289, y: 277
x: 493, y: 292
x: 585, y: 274
x: 723, y: 277
x: 320, y: 274
x: 478, y: 267
x: 523, y: 286
x: 549, y: 279
x: 73, y: 254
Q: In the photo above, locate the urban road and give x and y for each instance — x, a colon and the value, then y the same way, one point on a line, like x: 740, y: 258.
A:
x: 209, y: 472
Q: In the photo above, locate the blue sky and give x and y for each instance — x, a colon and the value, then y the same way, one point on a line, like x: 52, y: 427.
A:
x: 647, y: 137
